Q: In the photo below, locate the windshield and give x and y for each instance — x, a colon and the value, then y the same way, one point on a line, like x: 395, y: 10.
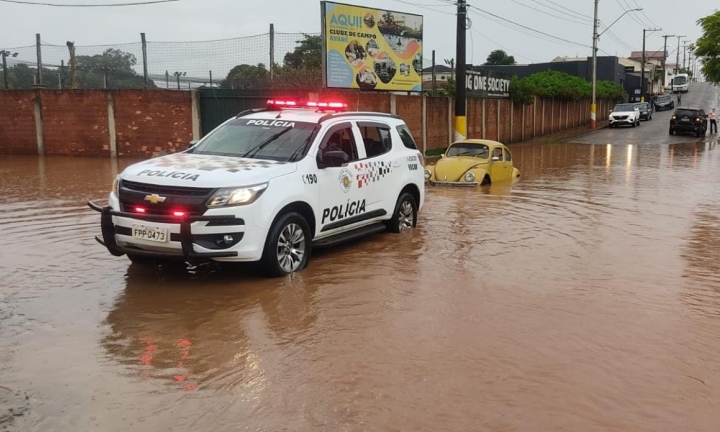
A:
x: 624, y: 107
x: 663, y: 98
x: 680, y: 80
x: 469, y: 149
x: 278, y: 140
x: 642, y: 106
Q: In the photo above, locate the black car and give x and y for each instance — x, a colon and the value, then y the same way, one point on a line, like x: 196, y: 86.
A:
x: 686, y: 120
x: 645, y: 110
x: 664, y: 102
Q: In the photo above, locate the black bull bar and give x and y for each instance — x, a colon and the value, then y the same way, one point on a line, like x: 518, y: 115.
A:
x: 186, y: 240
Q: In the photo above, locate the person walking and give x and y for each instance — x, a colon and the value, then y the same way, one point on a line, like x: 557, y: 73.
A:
x: 679, y: 98
x: 713, y: 121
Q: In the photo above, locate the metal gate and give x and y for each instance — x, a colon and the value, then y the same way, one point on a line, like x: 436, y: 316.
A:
x: 218, y: 105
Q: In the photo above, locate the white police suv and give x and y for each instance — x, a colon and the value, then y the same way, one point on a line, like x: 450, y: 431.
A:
x: 267, y: 186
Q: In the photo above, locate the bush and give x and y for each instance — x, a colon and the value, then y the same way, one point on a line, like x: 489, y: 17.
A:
x: 558, y: 85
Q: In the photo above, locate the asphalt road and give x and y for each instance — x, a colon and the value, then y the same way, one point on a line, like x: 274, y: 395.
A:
x: 701, y: 95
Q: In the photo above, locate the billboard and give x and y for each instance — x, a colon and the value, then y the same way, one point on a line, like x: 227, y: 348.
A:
x: 487, y: 84
x: 371, y: 49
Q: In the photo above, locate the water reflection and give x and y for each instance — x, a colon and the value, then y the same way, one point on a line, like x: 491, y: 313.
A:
x: 702, y: 254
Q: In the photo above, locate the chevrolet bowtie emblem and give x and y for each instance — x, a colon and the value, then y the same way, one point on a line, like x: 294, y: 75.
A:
x: 155, y: 198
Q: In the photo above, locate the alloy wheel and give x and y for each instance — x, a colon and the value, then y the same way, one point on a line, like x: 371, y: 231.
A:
x: 406, y: 217
x: 291, y: 248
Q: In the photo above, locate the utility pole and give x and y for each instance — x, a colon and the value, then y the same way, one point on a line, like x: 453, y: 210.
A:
x: 144, y: 55
x: 593, y: 104
x: 677, y: 59
x: 685, y: 54
x: 434, y: 81
x: 665, y: 53
x: 643, y: 92
x: 272, y: 51
x: 39, y: 59
x: 460, y: 119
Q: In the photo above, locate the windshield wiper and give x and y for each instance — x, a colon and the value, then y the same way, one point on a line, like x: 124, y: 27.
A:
x: 260, y: 146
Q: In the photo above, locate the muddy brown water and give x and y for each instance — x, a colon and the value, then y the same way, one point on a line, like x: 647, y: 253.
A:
x: 584, y: 297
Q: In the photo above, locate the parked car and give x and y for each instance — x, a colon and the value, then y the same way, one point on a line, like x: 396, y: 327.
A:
x: 267, y: 186
x: 472, y: 162
x: 689, y: 120
x: 664, y: 102
x: 625, y: 114
x: 645, y: 110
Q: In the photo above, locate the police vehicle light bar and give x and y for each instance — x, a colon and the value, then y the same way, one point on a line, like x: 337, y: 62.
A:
x: 335, y: 106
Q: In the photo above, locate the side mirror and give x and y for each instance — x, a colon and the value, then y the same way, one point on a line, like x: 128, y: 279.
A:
x: 442, y: 155
x: 192, y: 143
x: 333, y: 158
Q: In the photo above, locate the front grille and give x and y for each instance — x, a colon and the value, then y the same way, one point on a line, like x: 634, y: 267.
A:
x: 165, y: 190
x: 620, y: 117
x: 187, y: 199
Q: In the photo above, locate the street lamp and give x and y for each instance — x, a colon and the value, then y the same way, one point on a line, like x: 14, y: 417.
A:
x: 178, y: 75
x: 596, y: 36
x: 642, y: 65
x: 5, y: 54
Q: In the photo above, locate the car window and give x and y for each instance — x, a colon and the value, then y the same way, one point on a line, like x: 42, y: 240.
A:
x: 469, y: 149
x: 686, y: 113
x: 508, y: 157
x: 267, y: 139
x: 376, y: 138
x: 624, y: 107
x: 339, y: 139
x: 406, y: 137
x: 498, y: 153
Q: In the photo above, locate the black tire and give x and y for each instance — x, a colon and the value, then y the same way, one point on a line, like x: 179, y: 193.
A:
x: 271, y: 265
x: 672, y: 132
x: 634, y: 124
x: 405, y: 215
x: 486, y: 181
x: 142, y: 260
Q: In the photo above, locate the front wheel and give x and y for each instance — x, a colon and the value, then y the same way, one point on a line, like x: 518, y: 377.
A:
x: 287, y: 247
x: 634, y: 124
x: 405, y: 216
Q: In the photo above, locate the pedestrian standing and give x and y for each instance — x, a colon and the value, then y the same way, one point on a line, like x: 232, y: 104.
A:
x: 713, y: 121
x: 679, y: 100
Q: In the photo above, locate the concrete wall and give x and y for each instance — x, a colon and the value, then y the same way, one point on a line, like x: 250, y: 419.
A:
x: 145, y: 123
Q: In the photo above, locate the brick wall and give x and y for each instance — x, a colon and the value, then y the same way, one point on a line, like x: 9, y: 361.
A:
x: 75, y: 122
x: 17, y: 122
x: 148, y: 123
x: 151, y: 122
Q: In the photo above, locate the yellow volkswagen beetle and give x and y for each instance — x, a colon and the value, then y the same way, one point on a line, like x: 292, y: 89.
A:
x: 472, y: 162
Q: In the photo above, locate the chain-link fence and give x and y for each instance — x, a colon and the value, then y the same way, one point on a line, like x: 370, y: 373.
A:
x: 171, y: 65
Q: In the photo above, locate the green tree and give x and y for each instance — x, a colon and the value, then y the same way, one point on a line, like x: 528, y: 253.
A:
x: 246, y: 76
x: 22, y: 76
x: 707, y: 48
x: 306, y: 55
x: 500, y: 57
x: 119, y: 66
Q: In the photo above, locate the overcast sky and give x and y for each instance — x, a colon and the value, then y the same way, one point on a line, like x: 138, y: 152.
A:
x: 197, y: 20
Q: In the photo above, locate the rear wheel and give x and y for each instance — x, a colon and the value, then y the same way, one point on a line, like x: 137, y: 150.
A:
x: 287, y: 247
x: 405, y: 216
x: 672, y: 132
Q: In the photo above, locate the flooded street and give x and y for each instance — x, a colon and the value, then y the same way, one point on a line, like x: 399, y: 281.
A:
x: 585, y: 297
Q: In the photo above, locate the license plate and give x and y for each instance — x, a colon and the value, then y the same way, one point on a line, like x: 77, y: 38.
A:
x: 686, y: 119
x: 154, y: 234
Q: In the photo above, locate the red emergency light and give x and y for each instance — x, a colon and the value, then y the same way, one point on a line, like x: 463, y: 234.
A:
x: 139, y: 209
x: 322, y: 106
x: 179, y: 213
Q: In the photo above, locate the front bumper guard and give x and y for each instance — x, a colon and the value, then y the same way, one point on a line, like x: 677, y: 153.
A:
x: 186, y: 240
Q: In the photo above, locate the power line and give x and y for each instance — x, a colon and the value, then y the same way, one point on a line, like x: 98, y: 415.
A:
x: 632, y: 14
x: 89, y: 5
x: 617, y: 39
x: 547, y: 13
x: 645, y: 15
x: 423, y: 7
x: 560, y: 11
x: 570, y: 10
x: 528, y: 28
x: 499, y: 45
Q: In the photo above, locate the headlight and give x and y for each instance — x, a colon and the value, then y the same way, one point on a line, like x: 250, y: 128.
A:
x: 236, y: 196
x: 428, y: 174
x: 469, y: 177
x: 116, y: 186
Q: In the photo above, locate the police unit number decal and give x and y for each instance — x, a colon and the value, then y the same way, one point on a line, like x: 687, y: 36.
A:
x: 343, y: 211
x: 310, y: 179
x: 412, y: 163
